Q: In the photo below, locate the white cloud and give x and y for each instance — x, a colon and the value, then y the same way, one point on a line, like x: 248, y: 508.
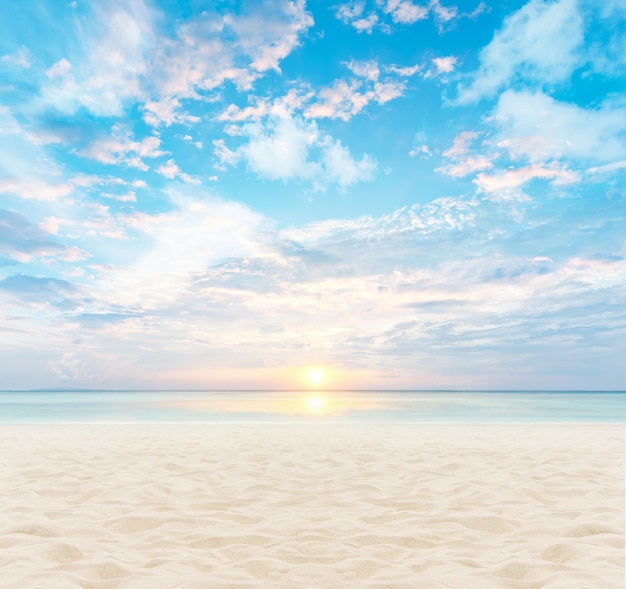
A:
x: 201, y: 231
x: 536, y: 127
x: 60, y: 69
x: 171, y: 170
x: 71, y: 368
x: 514, y: 177
x: 352, y: 13
x: 461, y: 144
x: 465, y: 162
x: 89, y: 180
x: 349, y: 11
x: 343, y: 100
x: 385, y: 13
x: 404, y: 11
x: 21, y: 58
x: 539, y: 42
x: 424, y: 150
x: 166, y: 111
x: 116, y: 41
x: 443, y: 14
x: 444, y: 65
x: 119, y: 148
x: 129, y: 196
x: 271, y: 32
x: 365, y: 24
x: 465, y: 166
x: 234, y: 113
x: 368, y: 70
x: 126, y: 58
x: 34, y: 189
x: 340, y: 167
x: 608, y: 168
x: 286, y: 147
x: 279, y: 149
x: 385, y: 91
x: 223, y: 153
x: 404, y: 71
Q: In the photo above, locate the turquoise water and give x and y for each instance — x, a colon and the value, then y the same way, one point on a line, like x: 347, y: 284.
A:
x: 288, y: 406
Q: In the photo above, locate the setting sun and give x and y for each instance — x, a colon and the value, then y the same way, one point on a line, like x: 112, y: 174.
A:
x: 316, y: 376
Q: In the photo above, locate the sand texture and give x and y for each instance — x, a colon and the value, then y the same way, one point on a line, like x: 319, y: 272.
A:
x: 312, y: 506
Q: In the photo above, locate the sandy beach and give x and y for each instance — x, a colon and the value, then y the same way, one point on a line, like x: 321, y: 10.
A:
x: 312, y: 506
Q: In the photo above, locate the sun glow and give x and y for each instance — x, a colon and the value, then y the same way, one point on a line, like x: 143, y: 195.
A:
x: 316, y: 404
x: 316, y: 376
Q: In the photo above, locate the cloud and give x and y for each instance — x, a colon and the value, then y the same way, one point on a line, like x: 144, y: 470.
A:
x: 22, y: 241
x: 198, y: 58
x: 120, y: 148
x: 537, y: 44
x: 171, y: 170
x: 340, y: 167
x: 404, y: 11
x: 606, y: 52
x: 466, y: 166
x: 40, y: 290
x: 279, y: 149
x: 512, y: 178
x: 34, y: 189
x: 399, y: 12
x: 461, y: 144
x: 166, y: 112
x: 424, y: 150
x: 608, y: 168
x: 352, y: 13
x: 117, y: 39
x: 404, y: 71
x: 233, y: 113
x: 441, y: 215
x: 224, y: 154
x: 368, y: 70
x: 199, y: 231
x: 269, y: 33
x: 70, y: 368
x: 344, y: 99
x: 127, y: 58
x: 465, y: 162
x: 444, y: 65
x: 287, y: 147
x: 21, y: 58
x: 443, y: 14
x: 534, y: 126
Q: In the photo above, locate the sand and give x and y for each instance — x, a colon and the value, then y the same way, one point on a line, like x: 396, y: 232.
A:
x: 312, y: 506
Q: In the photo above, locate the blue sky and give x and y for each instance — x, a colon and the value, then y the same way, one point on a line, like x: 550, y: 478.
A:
x: 229, y: 194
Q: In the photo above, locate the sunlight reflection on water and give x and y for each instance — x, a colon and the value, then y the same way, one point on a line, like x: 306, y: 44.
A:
x: 268, y: 406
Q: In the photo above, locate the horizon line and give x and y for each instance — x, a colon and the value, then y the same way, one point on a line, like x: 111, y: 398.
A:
x: 301, y: 390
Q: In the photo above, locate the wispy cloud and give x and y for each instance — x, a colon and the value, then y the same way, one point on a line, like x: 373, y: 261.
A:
x: 537, y: 44
x: 120, y: 148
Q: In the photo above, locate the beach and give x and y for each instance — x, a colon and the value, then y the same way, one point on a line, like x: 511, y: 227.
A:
x: 312, y: 505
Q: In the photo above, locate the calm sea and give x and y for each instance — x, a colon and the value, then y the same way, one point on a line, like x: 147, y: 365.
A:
x: 309, y: 406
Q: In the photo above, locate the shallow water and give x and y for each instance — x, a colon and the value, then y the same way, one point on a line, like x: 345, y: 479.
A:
x: 334, y: 406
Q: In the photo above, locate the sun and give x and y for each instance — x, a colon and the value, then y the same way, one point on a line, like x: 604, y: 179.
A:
x: 316, y: 376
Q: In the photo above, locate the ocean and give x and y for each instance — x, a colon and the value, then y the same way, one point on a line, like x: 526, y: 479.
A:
x: 88, y: 406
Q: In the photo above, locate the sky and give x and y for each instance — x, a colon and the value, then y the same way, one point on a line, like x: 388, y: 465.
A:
x: 372, y: 194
